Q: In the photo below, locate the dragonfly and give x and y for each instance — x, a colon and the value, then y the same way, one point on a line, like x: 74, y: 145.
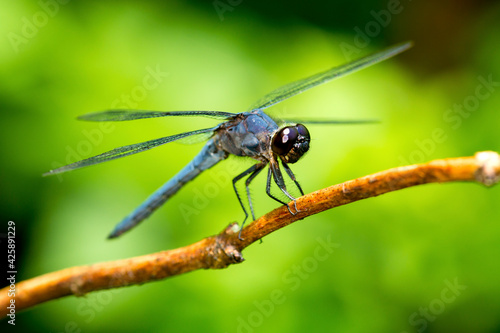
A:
x: 271, y: 142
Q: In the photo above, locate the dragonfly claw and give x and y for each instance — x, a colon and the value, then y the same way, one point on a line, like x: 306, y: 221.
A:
x: 294, y: 206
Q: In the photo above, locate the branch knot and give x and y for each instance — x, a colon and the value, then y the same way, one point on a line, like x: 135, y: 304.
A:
x: 488, y: 172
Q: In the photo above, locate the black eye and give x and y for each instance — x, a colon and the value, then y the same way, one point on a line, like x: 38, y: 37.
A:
x: 284, y: 140
x: 303, y: 131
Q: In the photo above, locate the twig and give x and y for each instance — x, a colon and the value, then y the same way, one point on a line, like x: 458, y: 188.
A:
x: 222, y: 250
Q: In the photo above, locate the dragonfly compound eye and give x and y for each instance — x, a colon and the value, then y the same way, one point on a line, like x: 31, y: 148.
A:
x: 291, y: 142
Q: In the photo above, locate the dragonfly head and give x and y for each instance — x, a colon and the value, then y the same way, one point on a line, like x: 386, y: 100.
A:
x: 291, y: 142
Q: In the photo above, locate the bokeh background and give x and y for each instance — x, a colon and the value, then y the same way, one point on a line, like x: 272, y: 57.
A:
x: 421, y: 259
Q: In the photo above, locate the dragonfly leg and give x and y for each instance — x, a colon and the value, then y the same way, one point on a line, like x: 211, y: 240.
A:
x: 251, y: 171
x: 292, y: 177
x: 259, y: 168
x: 268, y: 191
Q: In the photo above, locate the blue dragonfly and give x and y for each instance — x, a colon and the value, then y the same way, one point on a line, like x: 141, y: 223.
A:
x: 252, y: 133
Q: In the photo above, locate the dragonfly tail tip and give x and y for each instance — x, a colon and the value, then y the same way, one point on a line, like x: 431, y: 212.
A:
x: 113, y: 235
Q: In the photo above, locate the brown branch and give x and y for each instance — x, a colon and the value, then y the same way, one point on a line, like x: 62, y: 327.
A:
x: 225, y: 249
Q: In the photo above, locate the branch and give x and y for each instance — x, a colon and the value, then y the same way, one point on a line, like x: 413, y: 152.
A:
x: 222, y: 250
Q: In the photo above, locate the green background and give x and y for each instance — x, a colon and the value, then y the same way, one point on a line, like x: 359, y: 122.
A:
x: 395, y: 256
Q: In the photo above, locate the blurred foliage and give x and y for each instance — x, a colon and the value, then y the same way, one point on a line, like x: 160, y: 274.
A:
x: 395, y: 258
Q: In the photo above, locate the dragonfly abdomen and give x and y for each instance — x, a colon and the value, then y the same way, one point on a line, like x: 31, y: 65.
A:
x: 206, y: 158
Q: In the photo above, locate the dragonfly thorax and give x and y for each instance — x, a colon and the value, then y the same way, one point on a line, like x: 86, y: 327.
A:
x: 291, y: 142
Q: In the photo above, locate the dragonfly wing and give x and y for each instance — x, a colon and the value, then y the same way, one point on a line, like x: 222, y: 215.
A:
x: 202, y: 137
x: 297, y: 87
x: 127, y: 150
x: 328, y: 121
x: 124, y: 115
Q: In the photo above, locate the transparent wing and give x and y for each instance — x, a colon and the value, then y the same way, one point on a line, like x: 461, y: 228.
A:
x: 297, y: 87
x: 329, y: 121
x: 189, y: 140
x: 124, y: 115
x: 127, y: 150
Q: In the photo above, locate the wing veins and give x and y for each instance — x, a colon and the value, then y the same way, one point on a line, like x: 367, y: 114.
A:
x: 126, y: 151
x: 300, y: 86
x: 125, y: 115
x: 330, y: 121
